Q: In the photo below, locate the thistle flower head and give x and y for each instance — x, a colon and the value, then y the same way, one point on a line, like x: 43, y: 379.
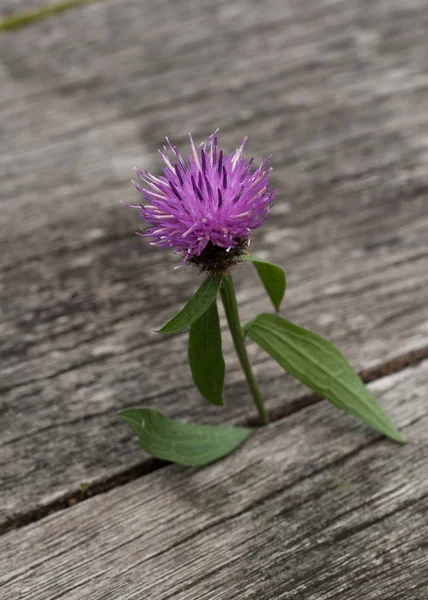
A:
x: 205, y: 207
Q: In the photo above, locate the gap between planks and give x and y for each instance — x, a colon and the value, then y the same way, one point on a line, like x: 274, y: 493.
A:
x: 124, y: 476
x: 297, y: 512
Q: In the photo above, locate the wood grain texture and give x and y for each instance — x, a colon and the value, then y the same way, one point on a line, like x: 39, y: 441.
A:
x: 336, y: 90
x: 313, y: 507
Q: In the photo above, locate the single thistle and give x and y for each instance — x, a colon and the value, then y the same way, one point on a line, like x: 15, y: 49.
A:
x: 206, y: 209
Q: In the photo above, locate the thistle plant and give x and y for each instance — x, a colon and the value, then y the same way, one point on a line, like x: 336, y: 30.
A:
x: 206, y: 208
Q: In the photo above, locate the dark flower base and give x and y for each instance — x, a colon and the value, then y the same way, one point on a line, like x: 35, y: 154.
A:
x: 216, y: 261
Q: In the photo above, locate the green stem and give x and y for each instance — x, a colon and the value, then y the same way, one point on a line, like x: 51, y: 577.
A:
x: 228, y: 296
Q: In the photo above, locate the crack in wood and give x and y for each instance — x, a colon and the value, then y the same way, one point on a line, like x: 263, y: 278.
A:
x: 390, y: 367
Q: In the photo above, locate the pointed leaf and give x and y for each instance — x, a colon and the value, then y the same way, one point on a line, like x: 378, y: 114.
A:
x: 205, y: 355
x: 194, y: 308
x: 272, y: 277
x: 318, y: 364
x: 179, y: 442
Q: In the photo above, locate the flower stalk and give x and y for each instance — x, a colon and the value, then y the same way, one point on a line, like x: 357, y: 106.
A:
x: 228, y: 296
x: 206, y: 208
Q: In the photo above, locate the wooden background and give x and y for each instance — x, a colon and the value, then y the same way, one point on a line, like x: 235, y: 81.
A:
x: 315, y: 507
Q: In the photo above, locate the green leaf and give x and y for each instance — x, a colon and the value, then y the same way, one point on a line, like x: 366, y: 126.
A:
x: 245, y: 327
x: 183, y: 443
x: 205, y: 355
x: 272, y: 277
x: 319, y: 365
x: 195, y: 307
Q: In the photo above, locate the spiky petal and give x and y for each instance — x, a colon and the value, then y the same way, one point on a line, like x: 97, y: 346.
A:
x: 209, y: 201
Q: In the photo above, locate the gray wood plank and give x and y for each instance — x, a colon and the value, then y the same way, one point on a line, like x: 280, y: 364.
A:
x: 131, y: 75
x: 14, y: 7
x: 85, y: 96
x: 313, y: 507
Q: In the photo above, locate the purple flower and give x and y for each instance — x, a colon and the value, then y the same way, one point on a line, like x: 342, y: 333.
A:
x: 206, y: 207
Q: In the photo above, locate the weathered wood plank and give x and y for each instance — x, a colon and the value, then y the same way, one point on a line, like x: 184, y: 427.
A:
x: 85, y: 97
x: 312, y: 507
x: 13, y: 7
x: 106, y: 69
x: 73, y: 369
